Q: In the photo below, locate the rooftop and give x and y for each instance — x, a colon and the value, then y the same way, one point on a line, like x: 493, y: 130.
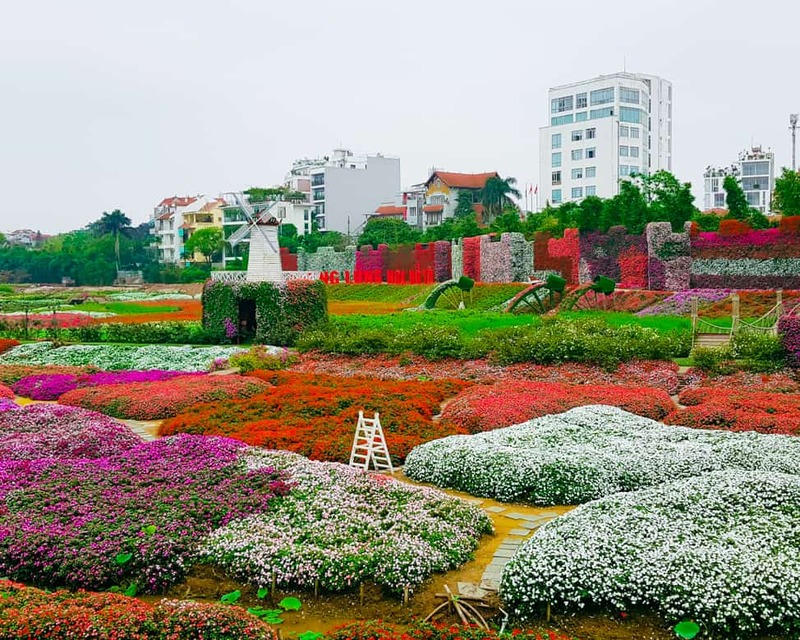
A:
x: 462, y: 180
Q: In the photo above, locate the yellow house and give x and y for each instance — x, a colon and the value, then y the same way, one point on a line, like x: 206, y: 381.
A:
x: 207, y: 214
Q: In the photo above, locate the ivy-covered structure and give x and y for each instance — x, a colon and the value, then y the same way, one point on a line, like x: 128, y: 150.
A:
x: 265, y: 312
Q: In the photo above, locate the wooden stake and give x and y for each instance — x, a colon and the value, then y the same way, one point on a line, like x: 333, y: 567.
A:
x: 361, y: 594
x: 548, y: 612
x: 316, y: 589
x: 274, y: 582
x: 405, y: 596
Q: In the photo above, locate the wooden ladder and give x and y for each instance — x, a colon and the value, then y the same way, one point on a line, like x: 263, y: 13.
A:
x: 369, y: 445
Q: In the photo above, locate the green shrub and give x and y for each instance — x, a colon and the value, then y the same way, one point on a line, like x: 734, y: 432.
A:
x: 714, y: 360
x: 257, y: 357
x: 762, y: 352
x: 433, y: 343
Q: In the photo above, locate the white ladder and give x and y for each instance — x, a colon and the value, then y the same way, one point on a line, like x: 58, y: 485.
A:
x: 369, y: 445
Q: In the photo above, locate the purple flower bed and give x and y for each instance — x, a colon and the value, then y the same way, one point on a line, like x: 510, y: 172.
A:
x: 789, y: 331
x: 680, y: 302
x: 53, y: 386
x: 54, y: 431
x: 137, y: 517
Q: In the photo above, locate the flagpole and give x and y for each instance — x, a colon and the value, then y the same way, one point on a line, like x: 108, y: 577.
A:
x: 526, y: 197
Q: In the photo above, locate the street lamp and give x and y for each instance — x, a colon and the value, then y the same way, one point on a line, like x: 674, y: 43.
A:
x: 793, y: 129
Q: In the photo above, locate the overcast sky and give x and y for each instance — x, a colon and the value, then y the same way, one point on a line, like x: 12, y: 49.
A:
x: 109, y: 105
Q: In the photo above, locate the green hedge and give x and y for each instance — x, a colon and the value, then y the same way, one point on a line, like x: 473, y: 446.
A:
x: 282, y: 310
x: 552, y: 341
x: 166, y: 332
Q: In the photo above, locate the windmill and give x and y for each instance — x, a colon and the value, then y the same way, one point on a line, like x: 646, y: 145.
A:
x: 264, y: 264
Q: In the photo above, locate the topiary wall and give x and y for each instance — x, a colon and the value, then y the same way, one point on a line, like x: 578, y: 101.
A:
x: 282, y: 310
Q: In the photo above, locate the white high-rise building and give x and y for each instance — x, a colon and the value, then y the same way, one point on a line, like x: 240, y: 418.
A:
x: 602, y: 130
x: 755, y: 171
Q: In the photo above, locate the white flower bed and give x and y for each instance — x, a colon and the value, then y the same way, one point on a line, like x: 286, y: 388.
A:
x: 590, y: 452
x: 722, y: 549
x: 135, y: 296
x: 342, y: 526
x: 118, y: 357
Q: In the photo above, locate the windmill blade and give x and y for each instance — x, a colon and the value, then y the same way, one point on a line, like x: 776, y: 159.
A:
x: 240, y: 234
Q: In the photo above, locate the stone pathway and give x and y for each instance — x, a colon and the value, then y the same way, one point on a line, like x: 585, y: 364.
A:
x: 525, y: 526
x: 146, y: 429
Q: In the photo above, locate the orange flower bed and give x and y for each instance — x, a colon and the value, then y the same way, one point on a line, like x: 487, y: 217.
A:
x: 189, y: 310
x: 347, y: 307
x: 6, y: 344
x: 315, y: 415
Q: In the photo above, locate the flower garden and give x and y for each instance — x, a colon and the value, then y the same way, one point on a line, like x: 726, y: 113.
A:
x: 160, y: 480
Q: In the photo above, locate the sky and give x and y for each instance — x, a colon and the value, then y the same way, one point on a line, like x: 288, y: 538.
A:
x: 107, y: 105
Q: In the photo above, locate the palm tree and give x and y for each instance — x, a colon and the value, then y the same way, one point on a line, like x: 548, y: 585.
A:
x: 495, y: 195
x: 112, y: 223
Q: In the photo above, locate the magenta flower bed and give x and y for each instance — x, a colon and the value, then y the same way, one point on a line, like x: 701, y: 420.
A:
x: 53, y: 431
x: 680, y: 302
x: 52, y: 386
x: 137, y: 517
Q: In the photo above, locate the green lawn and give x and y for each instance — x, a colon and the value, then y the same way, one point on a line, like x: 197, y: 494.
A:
x: 483, y: 296
x: 469, y: 323
x: 619, y: 318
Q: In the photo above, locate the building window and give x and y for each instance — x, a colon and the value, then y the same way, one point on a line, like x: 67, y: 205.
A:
x: 577, y: 192
x: 753, y: 198
x: 630, y: 114
x: 755, y: 168
x: 631, y: 96
x: 317, y: 179
x: 560, y: 105
x: 624, y: 170
x: 591, y: 190
x: 591, y: 172
x: 623, y: 151
x: 624, y: 131
x: 577, y: 154
x: 581, y: 116
x: 559, y: 120
x: 556, y: 177
x: 555, y: 140
x: 755, y: 184
x: 437, y: 199
x: 319, y: 194
x: 281, y: 213
x: 580, y: 101
x: 633, y: 169
x: 602, y: 96
x: 606, y: 112
x: 577, y: 174
x: 555, y: 159
x: 634, y: 132
x: 577, y: 136
x: 591, y: 134
x: 591, y: 152
x: 556, y: 196
x: 719, y: 200
x: 634, y: 152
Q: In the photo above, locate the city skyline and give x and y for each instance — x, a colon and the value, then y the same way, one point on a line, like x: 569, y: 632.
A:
x: 119, y: 107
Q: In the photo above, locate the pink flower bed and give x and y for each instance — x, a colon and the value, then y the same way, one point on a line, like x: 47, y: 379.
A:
x: 53, y: 431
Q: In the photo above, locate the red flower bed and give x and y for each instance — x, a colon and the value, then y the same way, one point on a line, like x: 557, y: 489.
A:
x: 156, y: 400
x: 780, y: 382
x: 739, y: 410
x: 5, y: 392
x: 752, y: 304
x: 30, y: 614
x: 483, y: 408
x: 380, y: 630
x: 6, y: 344
x: 315, y: 415
x: 638, y: 373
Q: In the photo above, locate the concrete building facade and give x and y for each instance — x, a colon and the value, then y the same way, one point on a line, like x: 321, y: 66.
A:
x: 755, y: 171
x: 600, y: 132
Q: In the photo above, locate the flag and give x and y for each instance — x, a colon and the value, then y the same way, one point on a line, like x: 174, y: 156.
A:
x: 536, y: 190
x: 530, y: 190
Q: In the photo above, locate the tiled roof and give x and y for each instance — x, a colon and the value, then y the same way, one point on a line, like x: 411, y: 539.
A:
x: 165, y: 216
x: 717, y: 212
x: 462, y: 180
x: 177, y: 201
x: 390, y: 210
x: 211, y: 206
x: 433, y: 208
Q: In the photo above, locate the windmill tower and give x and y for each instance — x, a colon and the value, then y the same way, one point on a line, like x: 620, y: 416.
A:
x: 264, y: 264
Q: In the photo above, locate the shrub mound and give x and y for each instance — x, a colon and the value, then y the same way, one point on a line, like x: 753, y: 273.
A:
x: 50, y: 431
x: 590, y: 452
x: 30, y: 614
x: 739, y: 410
x: 315, y: 415
x: 47, y: 386
x: 483, y: 408
x: 133, y: 518
x: 11, y: 373
x: 342, y: 527
x: 719, y: 549
x: 157, y: 400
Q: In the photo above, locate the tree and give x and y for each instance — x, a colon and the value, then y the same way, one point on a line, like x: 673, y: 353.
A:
x: 669, y: 200
x: 112, y: 223
x: 628, y: 208
x: 261, y: 194
x: 495, y: 195
x: 786, y: 199
x: 508, y: 221
x: 736, y: 201
x: 387, y: 231
x: 464, y: 204
x: 207, y: 241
